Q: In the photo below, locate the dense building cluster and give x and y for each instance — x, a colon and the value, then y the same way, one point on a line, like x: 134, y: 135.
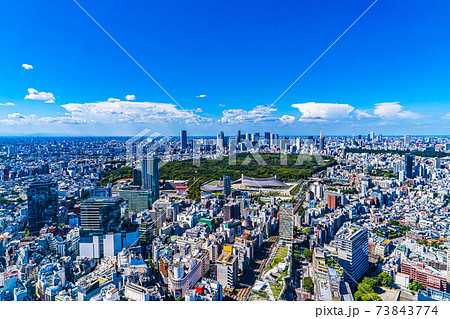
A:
x: 74, y: 225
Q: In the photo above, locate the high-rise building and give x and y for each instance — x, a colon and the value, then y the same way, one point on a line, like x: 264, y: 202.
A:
x: 371, y: 136
x: 99, y: 215
x: 267, y: 136
x: 286, y: 223
x: 353, y: 251
x: 183, y: 139
x: 138, y: 199
x: 226, y: 185
x: 409, y: 165
x: 150, y: 175
x: 273, y: 139
x: 42, y: 200
x: 102, y: 232
x: 226, y: 266
x: 407, y: 139
x: 137, y: 176
x: 220, y: 141
x: 322, y: 141
x: 238, y: 137
x: 333, y: 201
x: 310, y: 142
x: 437, y: 163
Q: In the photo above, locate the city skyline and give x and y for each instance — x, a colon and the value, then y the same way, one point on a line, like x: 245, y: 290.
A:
x: 225, y: 67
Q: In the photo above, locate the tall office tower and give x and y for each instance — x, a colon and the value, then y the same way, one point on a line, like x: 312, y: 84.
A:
x: 248, y: 137
x: 220, y: 141
x: 238, y: 137
x: 267, y: 137
x: 437, y: 163
x: 138, y: 199
x: 409, y: 165
x: 353, y: 251
x: 227, y: 269
x: 255, y: 137
x: 371, y: 136
x: 150, y: 175
x: 407, y: 139
x: 42, y: 205
x: 226, y: 185
x: 286, y: 223
x: 380, y: 138
x: 273, y: 139
x: 322, y: 141
x: 310, y: 142
x: 183, y: 139
x: 137, y: 176
x: 100, y: 215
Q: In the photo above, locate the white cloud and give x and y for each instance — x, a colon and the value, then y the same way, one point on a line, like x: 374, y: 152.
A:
x: 33, y: 119
x: 393, y: 110
x: 111, y: 99
x: 40, y: 96
x: 236, y: 116
x: 202, y: 95
x: 322, y: 112
x: 362, y: 114
x: 131, y: 112
x: 7, y: 104
x: 15, y: 116
x: 112, y: 112
x: 287, y: 119
x: 222, y: 105
x: 130, y: 97
x: 27, y: 66
x: 446, y: 116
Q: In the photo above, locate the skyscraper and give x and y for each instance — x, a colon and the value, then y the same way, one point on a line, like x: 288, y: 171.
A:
x: 238, y: 137
x: 226, y: 185
x: 220, y: 141
x: 137, y: 176
x: 322, y: 141
x: 138, y: 199
x: 286, y: 223
x: 42, y: 200
x: 310, y: 143
x: 353, y: 251
x: 273, y: 139
x: 99, y: 215
x: 409, y: 161
x: 150, y: 175
x: 407, y: 139
x: 183, y: 139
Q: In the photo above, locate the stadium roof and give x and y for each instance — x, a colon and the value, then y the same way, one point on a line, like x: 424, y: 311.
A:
x: 262, y: 182
x: 211, y: 188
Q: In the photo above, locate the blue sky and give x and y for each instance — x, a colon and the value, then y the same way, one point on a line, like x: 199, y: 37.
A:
x: 225, y: 63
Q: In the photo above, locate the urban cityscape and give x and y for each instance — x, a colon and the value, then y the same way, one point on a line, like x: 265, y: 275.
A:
x: 250, y: 152
x: 256, y: 217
